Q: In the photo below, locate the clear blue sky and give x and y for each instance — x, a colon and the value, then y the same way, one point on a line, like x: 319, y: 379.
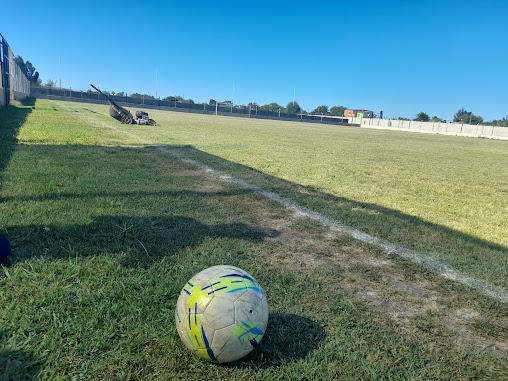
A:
x: 401, y: 57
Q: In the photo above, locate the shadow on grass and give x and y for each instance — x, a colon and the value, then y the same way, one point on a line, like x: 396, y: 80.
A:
x: 141, y: 241
x: 389, y: 224
x: 392, y: 225
x: 16, y: 364
x: 288, y: 338
x: 11, y: 120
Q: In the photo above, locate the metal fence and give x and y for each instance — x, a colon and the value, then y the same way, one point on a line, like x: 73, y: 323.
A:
x: 204, y: 108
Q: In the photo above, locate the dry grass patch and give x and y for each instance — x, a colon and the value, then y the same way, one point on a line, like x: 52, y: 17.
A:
x: 415, y: 301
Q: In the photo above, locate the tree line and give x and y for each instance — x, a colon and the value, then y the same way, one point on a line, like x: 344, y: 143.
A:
x: 461, y: 116
x: 28, y: 69
x: 291, y: 108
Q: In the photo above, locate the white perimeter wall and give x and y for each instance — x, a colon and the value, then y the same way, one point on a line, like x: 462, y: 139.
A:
x: 458, y: 129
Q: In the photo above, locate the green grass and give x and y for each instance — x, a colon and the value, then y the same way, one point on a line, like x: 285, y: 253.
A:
x: 445, y: 196
x: 94, y: 297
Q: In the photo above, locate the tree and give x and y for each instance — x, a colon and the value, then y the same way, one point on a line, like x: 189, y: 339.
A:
x: 459, y: 114
x: 474, y: 119
x: 27, y: 69
x: 120, y: 94
x: 174, y: 98
x: 50, y: 83
x: 138, y: 95
x: 320, y: 110
x: 37, y: 83
x: 212, y: 102
x: 293, y: 108
x: 274, y: 106
x: 466, y: 117
x: 422, y: 117
x: 337, y: 110
x: 436, y: 119
x: 402, y: 118
x: 500, y: 122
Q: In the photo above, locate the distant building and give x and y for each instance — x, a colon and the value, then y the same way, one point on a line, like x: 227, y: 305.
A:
x: 359, y: 113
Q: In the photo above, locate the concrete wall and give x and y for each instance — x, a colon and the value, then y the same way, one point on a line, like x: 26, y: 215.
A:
x: 457, y: 129
x: 19, y: 85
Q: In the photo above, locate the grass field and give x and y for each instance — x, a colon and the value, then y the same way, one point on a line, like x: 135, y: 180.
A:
x: 93, y: 298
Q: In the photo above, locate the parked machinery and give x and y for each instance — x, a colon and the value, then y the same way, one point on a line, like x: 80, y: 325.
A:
x: 123, y: 115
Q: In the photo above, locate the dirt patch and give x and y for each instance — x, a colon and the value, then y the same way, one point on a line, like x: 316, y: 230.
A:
x: 466, y: 314
x: 294, y: 238
x: 386, y: 304
x: 417, y: 290
x: 411, y: 300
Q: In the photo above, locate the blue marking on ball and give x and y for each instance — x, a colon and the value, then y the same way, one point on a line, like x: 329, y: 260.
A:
x: 5, y: 248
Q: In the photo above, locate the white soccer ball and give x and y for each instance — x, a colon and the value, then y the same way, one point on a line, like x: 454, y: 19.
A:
x: 221, y: 314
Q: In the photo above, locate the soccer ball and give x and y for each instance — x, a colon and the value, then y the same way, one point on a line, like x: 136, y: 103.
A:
x: 221, y: 314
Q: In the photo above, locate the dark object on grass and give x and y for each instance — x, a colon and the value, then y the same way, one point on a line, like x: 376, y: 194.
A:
x: 142, y: 118
x: 123, y: 115
x: 5, y: 248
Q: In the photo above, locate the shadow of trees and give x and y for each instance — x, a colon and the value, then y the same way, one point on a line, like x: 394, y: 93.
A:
x: 11, y: 120
x: 141, y: 240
